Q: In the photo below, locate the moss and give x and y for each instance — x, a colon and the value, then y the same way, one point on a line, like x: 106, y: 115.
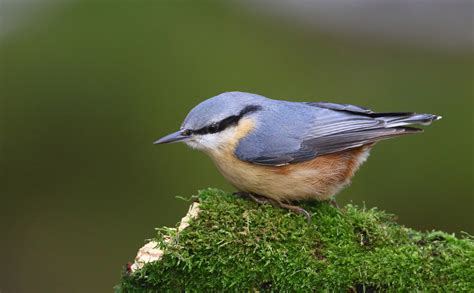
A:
x: 238, y: 245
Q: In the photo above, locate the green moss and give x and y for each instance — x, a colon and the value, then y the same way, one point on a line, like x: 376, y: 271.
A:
x: 238, y: 245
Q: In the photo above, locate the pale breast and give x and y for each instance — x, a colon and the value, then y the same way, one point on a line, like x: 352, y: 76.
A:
x: 318, y: 179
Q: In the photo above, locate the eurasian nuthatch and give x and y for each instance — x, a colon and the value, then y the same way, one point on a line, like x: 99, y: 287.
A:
x: 285, y: 151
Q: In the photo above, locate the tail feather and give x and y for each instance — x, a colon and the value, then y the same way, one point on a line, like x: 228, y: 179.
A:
x: 412, y: 118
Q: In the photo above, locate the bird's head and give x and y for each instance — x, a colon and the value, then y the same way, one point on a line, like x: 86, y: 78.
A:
x: 213, y: 124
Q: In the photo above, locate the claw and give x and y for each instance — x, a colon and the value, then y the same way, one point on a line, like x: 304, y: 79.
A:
x: 297, y: 209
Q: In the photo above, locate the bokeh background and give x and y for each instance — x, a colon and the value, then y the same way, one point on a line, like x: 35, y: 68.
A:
x: 87, y: 86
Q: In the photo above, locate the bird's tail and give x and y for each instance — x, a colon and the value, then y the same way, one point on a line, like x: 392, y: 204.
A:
x: 402, y: 119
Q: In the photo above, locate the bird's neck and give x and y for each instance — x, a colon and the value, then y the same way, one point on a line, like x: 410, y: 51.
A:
x: 227, y: 147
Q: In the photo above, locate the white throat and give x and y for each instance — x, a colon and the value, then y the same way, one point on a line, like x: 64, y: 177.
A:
x: 213, y: 141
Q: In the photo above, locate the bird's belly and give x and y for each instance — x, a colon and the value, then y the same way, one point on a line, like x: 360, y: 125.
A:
x: 317, y: 179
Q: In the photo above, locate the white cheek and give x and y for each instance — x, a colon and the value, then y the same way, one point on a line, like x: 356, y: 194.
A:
x: 192, y: 144
x: 212, y: 142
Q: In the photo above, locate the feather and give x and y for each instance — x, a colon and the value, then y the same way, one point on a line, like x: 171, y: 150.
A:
x: 290, y: 132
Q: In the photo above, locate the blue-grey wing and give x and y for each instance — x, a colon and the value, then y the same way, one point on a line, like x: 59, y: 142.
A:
x: 296, y: 132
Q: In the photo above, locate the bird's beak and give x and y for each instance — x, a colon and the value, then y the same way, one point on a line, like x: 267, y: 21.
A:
x: 171, y: 138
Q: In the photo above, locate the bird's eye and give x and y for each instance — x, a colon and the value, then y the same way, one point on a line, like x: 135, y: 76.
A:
x: 213, y: 128
x: 186, y: 132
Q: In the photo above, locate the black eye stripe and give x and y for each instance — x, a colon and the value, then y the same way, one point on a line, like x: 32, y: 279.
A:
x: 250, y: 109
x: 227, y: 122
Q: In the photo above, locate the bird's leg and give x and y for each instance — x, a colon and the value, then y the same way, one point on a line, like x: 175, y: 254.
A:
x: 255, y: 198
x: 333, y: 202
x: 240, y: 194
x: 296, y: 209
x: 275, y: 203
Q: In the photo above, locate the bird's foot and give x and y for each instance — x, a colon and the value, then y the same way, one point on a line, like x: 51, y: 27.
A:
x: 333, y: 202
x: 275, y: 203
x: 240, y: 194
x: 253, y: 197
x: 296, y: 209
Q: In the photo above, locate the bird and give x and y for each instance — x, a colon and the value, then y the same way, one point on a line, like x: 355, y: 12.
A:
x: 282, y: 152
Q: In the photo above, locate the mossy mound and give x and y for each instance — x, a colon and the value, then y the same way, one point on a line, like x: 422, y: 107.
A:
x: 237, y: 245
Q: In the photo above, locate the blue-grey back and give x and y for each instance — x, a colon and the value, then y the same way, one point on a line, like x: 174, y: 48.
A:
x: 292, y: 132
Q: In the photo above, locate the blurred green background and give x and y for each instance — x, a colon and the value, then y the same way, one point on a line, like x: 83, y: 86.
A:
x: 87, y: 86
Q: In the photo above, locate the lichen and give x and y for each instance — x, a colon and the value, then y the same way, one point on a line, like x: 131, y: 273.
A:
x: 237, y: 245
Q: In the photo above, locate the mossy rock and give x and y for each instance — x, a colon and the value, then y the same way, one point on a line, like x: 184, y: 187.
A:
x: 237, y: 245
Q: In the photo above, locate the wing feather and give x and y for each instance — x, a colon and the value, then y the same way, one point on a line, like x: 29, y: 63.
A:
x: 316, y: 129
